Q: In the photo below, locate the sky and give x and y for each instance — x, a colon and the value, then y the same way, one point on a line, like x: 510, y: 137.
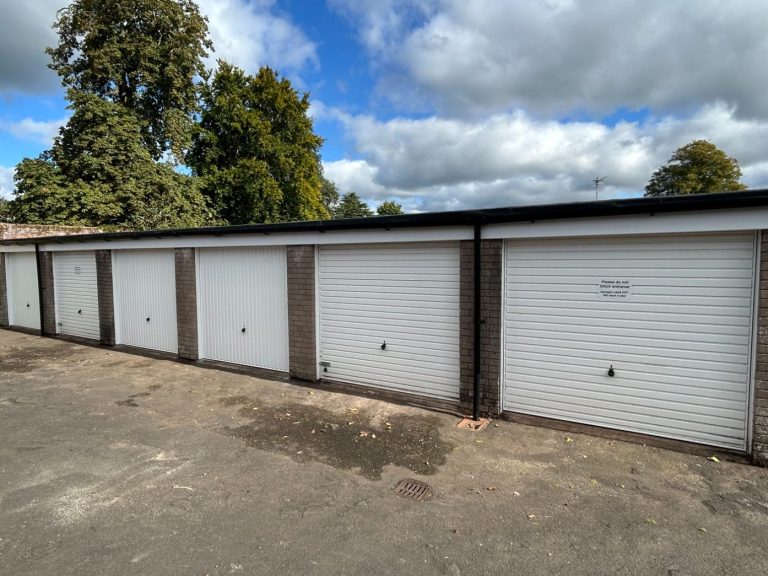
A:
x: 456, y: 104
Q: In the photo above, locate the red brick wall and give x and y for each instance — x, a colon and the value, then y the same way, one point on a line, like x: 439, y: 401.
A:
x: 301, y: 312
x: 105, y: 297
x: 490, y: 329
x: 186, y: 303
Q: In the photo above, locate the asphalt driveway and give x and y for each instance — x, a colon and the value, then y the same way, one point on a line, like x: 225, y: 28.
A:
x: 112, y: 463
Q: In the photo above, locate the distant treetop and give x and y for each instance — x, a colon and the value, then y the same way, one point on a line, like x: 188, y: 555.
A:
x: 696, y: 168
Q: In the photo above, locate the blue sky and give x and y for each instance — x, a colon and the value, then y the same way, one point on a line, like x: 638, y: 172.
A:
x: 449, y: 104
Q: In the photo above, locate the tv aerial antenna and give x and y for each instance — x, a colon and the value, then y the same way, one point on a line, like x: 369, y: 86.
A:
x: 597, y: 182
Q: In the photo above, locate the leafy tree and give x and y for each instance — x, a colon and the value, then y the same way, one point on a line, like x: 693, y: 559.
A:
x: 100, y: 173
x: 5, y: 210
x: 141, y: 54
x: 256, y: 150
x: 330, y: 195
x: 351, y: 206
x: 696, y: 168
x: 389, y: 208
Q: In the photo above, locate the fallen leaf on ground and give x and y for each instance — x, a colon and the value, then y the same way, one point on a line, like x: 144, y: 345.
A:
x: 702, y: 529
x: 713, y: 459
x: 650, y: 521
x: 568, y: 439
x: 531, y: 516
x: 363, y: 433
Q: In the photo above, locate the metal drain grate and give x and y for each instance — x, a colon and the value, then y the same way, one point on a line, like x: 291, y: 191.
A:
x: 413, y: 489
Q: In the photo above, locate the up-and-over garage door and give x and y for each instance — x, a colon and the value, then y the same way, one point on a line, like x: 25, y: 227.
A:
x: 243, y: 306
x: 23, y: 296
x: 145, y: 299
x: 77, y: 301
x: 389, y: 316
x: 669, y: 316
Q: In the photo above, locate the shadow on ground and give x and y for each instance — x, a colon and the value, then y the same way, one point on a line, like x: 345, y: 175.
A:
x: 354, y: 440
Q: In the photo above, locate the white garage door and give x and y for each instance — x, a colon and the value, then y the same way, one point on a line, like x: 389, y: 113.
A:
x: 145, y: 299
x: 672, y: 315
x: 402, y: 297
x: 23, y: 295
x: 77, y: 301
x: 243, y: 306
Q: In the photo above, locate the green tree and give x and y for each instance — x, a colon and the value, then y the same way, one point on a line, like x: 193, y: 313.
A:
x: 351, y: 206
x: 141, y: 54
x: 696, y: 168
x: 5, y: 210
x: 330, y: 195
x: 256, y: 150
x: 389, y: 208
x: 99, y: 172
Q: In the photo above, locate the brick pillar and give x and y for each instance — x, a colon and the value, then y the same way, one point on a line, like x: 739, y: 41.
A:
x: 490, y: 331
x: 186, y: 303
x: 301, y: 312
x: 105, y: 297
x: 46, y: 284
x: 3, y: 293
x: 760, y: 422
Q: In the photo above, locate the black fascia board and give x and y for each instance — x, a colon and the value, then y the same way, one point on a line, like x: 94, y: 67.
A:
x: 534, y: 213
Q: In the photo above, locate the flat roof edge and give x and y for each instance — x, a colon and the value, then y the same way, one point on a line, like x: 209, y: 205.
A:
x: 596, y: 209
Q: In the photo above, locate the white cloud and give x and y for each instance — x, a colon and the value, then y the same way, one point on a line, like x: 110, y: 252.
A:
x: 254, y: 34
x: 247, y: 33
x: 25, y: 33
x: 509, y: 159
x: 382, y: 24
x: 42, y: 132
x: 565, y: 56
x: 6, y: 182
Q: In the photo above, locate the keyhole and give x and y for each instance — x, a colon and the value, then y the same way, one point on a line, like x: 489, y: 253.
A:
x: 384, y: 346
x: 79, y: 311
x: 27, y: 304
x: 243, y: 330
x: 147, y: 319
x: 611, y: 372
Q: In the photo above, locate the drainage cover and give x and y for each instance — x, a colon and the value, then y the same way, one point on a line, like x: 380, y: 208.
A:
x: 413, y: 489
x: 474, y: 425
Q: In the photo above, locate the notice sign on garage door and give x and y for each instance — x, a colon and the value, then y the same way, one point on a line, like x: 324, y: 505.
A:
x: 615, y: 289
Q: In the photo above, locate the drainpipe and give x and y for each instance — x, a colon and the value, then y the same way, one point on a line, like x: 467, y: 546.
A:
x: 478, y: 322
x: 40, y: 289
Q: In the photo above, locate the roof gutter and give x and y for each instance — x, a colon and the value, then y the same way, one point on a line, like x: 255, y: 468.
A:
x: 605, y: 208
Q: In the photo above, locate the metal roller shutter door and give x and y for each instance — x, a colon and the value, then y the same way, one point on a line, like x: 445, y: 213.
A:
x: 145, y: 288
x: 244, y: 288
x: 77, y: 301
x: 406, y: 295
x: 23, y: 297
x: 672, y: 314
